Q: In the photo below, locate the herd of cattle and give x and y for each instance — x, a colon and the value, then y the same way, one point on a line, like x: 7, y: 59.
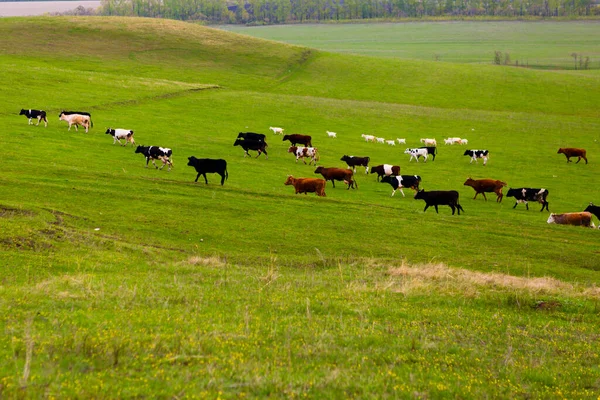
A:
x: 385, y: 173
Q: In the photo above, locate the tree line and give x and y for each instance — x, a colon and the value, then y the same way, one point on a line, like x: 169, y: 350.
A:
x: 292, y: 11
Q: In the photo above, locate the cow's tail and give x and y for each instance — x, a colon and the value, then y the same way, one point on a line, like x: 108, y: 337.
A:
x: 91, y: 122
x: 226, y: 174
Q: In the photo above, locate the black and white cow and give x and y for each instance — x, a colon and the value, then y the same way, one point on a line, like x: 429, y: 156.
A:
x: 475, y: 154
x: 251, y: 136
x: 523, y: 195
x: 352, y: 162
x: 119, y: 134
x: 40, y: 115
x: 416, y: 153
x: 256, y: 145
x: 431, y: 150
x: 156, y: 153
x: 594, y: 210
x: 209, y: 165
x: 402, y: 181
x: 440, y: 198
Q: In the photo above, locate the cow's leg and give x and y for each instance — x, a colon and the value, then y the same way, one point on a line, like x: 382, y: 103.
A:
x: 453, y: 208
x: 515, y: 206
x: 366, y: 169
x: 436, y: 208
x: 578, y: 159
x: 197, y: 176
x: 45, y: 122
x: 483, y: 193
x: 568, y: 159
x: 401, y: 191
x: 394, y: 192
x: 30, y: 123
x: 527, y: 206
x: 585, y: 158
x: 205, y: 179
x: 425, y: 158
x: 485, y: 160
x: 222, y: 178
x: 426, y: 207
x: 39, y: 118
x: 147, y: 160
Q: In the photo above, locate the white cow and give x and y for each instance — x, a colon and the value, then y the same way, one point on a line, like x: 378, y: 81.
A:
x: 390, y: 142
x: 331, y: 134
x: 401, y: 141
x: 416, y: 153
x: 464, y: 141
x: 429, y: 142
x: 380, y: 139
x: 276, y: 130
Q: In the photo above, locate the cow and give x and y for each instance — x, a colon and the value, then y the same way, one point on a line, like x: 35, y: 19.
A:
x: 440, y: 198
x: 573, y: 152
x: 156, y: 153
x: 429, y: 142
x: 380, y: 140
x: 76, y: 119
x: 486, y: 185
x: 251, y: 136
x: 594, y: 210
x: 416, y: 153
x: 119, y: 134
x: 338, y: 174
x: 331, y: 134
x: 256, y: 145
x: 368, y: 138
x: 303, y: 152
x: 402, y: 181
x: 431, y: 150
x: 391, y: 142
x: 523, y: 195
x: 276, y: 130
x: 463, y: 141
x: 40, y: 115
x: 354, y: 161
x: 295, y: 139
x: 306, y: 185
x: 208, y: 165
x: 385, y: 170
x: 576, y: 218
x: 401, y: 141
x: 476, y: 154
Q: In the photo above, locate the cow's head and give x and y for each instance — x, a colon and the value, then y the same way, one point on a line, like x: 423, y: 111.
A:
x: 110, y: 131
x: 292, y: 149
x: 419, y: 194
x: 191, y: 161
x: 468, y: 153
x: 290, y: 180
x: 318, y: 170
x: 561, y: 151
x: 345, y: 158
x: 237, y: 142
x: 23, y: 112
x: 139, y: 149
x: 469, y: 182
x: 551, y: 219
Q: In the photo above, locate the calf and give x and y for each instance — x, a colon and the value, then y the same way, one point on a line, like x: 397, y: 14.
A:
x: 76, y: 119
x: 338, y: 174
x: 576, y: 218
x: 429, y: 142
x: 486, y: 185
x: 40, y: 115
x: 368, y: 138
x: 306, y: 185
x: 385, y: 170
x: 391, y: 142
x: 402, y: 181
x: 354, y: 161
x: 440, y: 197
x: 476, y: 154
x: 303, y: 152
x: 251, y: 136
x: 523, y: 195
x: 256, y: 145
x: 276, y: 130
x: 573, y: 152
x: 401, y: 141
x: 208, y: 165
x: 295, y: 139
x: 416, y: 153
x: 119, y: 134
x: 331, y: 134
x: 594, y: 210
x: 156, y: 153
x: 380, y: 140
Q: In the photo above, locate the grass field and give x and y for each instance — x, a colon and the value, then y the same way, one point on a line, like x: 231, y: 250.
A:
x: 121, y: 281
x: 543, y: 44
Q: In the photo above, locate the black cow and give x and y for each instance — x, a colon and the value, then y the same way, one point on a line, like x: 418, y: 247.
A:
x: 441, y: 198
x: 156, y: 153
x: 402, y: 181
x: 251, y: 136
x: 209, y: 165
x: 431, y: 150
x: 594, y: 210
x: 354, y: 161
x: 75, y: 112
x: 523, y: 195
x: 256, y: 145
x: 40, y: 115
x: 476, y: 154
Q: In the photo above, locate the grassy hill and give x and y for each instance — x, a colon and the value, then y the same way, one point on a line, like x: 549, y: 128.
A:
x: 122, y: 281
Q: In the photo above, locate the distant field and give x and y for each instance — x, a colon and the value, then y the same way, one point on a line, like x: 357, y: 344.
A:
x: 537, y: 44
x: 120, y: 281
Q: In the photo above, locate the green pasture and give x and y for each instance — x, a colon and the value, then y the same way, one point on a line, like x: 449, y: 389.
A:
x: 122, y: 281
x: 543, y: 44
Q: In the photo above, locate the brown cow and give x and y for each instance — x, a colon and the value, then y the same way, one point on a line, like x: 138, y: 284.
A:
x: 573, y: 152
x: 338, y: 174
x: 486, y: 185
x: 385, y: 170
x: 302, y: 139
x: 305, y: 185
x: 576, y: 218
